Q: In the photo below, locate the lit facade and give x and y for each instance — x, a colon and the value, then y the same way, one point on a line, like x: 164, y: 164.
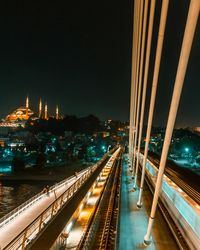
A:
x: 23, y: 113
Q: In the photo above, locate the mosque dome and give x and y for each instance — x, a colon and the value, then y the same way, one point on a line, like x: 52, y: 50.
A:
x: 20, y: 114
x: 23, y: 113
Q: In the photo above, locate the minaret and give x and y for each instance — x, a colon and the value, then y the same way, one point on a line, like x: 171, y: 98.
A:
x: 40, y: 108
x: 27, y: 106
x: 57, y: 112
x: 45, y: 112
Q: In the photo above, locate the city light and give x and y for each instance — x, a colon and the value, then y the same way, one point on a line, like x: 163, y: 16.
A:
x: 186, y: 150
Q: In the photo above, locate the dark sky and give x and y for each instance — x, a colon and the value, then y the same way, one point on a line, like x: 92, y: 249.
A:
x: 77, y: 54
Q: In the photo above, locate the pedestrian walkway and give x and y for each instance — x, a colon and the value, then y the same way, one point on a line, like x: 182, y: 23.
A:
x: 28, y: 215
x: 76, y: 232
x: 134, y: 221
x: 84, y: 217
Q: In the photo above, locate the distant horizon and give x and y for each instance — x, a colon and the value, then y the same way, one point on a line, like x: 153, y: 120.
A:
x: 78, y: 58
x: 102, y: 120
x: 78, y: 115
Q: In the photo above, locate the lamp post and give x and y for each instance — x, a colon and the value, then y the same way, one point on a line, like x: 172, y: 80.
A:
x: 108, y: 148
x: 187, y: 150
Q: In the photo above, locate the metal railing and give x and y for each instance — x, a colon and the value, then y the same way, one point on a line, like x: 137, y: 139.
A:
x: 33, y: 229
x: 15, y: 212
x: 93, y: 223
x: 184, y: 211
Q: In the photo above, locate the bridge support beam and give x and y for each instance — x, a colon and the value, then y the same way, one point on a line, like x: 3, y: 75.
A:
x: 146, y: 71
x: 138, y: 81
x: 161, y: 32
x: 142, y: 55
x: 132, y: 96
x: 181, y: 71
x: 136, y: 31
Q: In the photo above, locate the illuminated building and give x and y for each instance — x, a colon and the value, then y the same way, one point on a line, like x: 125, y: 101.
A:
x: 27, y: 106
x: 46, y: 112
x: 57, y: 113
x: 23, y: 113
x: 40, y: 108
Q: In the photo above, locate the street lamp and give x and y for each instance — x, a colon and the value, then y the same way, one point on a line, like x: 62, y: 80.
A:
x: 186, y: 150
x: 108, y: 148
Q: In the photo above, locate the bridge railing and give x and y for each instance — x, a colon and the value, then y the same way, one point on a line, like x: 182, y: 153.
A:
x: 183, y: 209
x: 15, y: 212
x: 32, y: 230
x: 93, y: 227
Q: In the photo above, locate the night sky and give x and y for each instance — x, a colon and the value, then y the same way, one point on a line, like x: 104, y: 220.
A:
x: 77, y: 54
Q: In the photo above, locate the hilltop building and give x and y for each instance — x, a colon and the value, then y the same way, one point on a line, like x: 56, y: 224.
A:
x: 24, y: 113
x: 19, y: 116
x: 21, y: 113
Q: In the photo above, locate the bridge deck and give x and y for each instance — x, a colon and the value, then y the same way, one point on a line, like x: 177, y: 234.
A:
x: 133, y: 222
x: 46, y: 240
x: 9, y: 231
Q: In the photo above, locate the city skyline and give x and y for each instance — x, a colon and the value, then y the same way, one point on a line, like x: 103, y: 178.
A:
x: 99, y: 124
x: 25, y: 111
x: 84, y: 58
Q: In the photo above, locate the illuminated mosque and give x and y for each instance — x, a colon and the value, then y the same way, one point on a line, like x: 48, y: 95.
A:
x: 24, y: 113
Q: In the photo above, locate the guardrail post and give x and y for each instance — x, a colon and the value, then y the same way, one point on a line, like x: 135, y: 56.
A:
x: 24, y: 239
x: 52, y: 210
x: 68, y: 194
x: 41, y: 220
x: 61, y: 200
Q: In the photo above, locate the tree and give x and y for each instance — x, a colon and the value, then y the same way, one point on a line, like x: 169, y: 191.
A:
x: 18, y: 164
x: 41, y: 160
